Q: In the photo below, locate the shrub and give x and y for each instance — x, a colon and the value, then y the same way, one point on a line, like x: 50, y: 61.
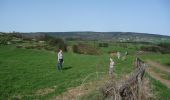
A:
x: 85, y: 49
x: 19, y: 46
x: 103, y: 44
x: 63, y: 47
x: 28, y: 47
x: 56, y: 42
x: 162, y: 48
x: 165, y: 47
x: 75, y: 49
x: 4, y: 39
x: 151, y: 48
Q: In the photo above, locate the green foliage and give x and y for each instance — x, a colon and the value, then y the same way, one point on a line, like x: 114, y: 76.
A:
x: 151, y: 48
x: 166, y: 47
x: 57, y: 42
x: 75, y: 49
x: 85, y: 49
x: 103, y: 44
x: 4, y: 39
x: 161, y: 58
x: 162, y: 48
x: 161, y: 91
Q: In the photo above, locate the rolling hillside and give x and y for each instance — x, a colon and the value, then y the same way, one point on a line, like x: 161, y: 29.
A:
x: 106, y: 36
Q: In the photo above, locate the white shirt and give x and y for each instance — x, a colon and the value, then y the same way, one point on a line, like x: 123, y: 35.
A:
x: 60, y: 56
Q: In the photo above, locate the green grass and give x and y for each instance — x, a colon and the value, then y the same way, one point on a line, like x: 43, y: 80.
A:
x: 25, y: 71
x: 163, y: 74
x: 161, y: 58
x: 161, y: 92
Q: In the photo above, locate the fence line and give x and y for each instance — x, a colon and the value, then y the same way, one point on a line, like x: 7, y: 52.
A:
x: 131, y: 88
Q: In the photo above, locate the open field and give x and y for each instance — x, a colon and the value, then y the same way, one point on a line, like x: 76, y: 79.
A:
x: 26, y: 71
x: 32, y: 73
x: 84, y: 50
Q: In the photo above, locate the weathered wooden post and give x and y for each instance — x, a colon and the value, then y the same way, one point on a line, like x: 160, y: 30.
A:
x: 139, y: 84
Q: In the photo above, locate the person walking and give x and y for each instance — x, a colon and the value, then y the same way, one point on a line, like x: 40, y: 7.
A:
x: 60, y: 60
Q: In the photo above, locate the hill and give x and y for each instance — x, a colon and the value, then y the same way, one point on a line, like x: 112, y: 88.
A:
x: 109, y: 36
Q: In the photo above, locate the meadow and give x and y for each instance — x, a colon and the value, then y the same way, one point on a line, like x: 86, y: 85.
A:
x: 32, y: 73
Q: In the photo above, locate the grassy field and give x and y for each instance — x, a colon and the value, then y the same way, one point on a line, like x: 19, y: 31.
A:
x: 161, y: 92
x: 29, y: 73
x: 161, y: 58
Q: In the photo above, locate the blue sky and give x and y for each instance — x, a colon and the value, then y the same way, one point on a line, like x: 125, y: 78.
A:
x: 148, y: 16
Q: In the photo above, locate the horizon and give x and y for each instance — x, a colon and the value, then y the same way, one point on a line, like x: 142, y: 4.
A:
x: 89, y: 31
x: 151, y: 17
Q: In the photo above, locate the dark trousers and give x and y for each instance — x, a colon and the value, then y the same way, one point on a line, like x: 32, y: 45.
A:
x: 60, y: 64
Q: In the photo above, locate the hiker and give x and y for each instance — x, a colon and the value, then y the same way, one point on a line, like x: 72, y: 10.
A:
x: 60, y: 60
x: 111, y: 67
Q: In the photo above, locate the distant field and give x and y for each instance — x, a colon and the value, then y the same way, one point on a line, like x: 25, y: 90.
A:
x: 27, y: 73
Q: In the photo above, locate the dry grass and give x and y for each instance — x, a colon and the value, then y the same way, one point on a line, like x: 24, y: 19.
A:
x: 45, y: 91
x: 111, y: 91
x: 72, y: 93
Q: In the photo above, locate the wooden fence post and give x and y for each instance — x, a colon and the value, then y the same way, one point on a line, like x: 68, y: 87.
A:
x: 139, y: 84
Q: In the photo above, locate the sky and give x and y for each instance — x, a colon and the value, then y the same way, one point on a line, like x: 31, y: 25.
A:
x: 143, y: 16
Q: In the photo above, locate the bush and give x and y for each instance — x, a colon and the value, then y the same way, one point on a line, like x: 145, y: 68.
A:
x: 63, y: 47
x: 4, y: 39
x: 85, y: 49
x: 103, y: 44
x: 56, y: 42
x: 151, y: 48
x: 27, y: 38
x: 19, y: 46
x: 165, y: 47
x: 75, y: 49
x: 28, y: 47
x: 162, y: 48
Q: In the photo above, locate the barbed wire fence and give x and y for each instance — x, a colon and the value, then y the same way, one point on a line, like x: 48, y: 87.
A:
x: 129, y: 89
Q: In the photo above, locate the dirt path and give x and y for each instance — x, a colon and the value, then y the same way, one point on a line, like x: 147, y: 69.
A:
x: 156, y: 75
x: 158, y: 65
